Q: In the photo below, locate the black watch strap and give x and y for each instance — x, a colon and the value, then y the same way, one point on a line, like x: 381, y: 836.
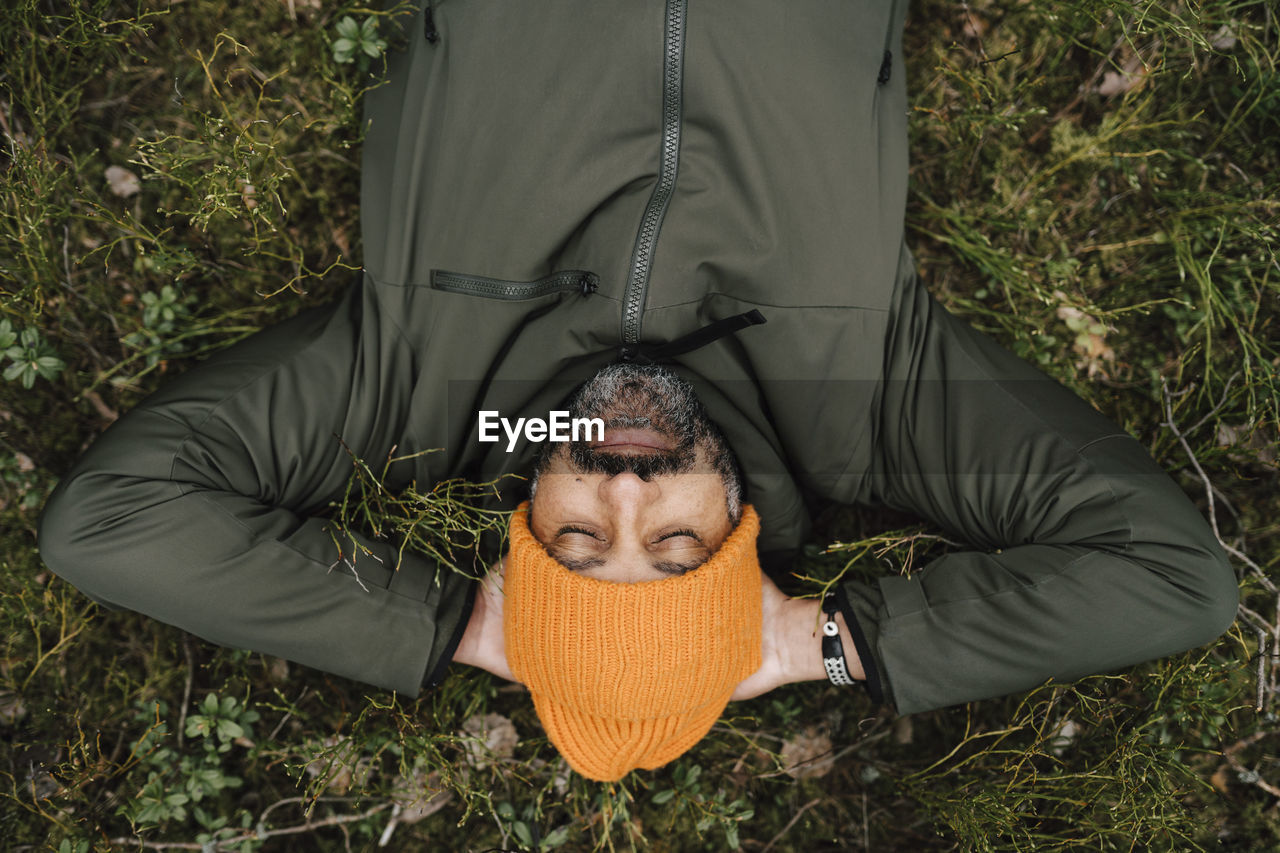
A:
x: 832, y: 648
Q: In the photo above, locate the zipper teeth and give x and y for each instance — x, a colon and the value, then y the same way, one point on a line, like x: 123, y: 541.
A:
x: 496, y: 288
x: 655, y: 210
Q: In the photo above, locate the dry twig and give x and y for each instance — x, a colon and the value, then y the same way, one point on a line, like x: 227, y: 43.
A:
x: 1265, y: 676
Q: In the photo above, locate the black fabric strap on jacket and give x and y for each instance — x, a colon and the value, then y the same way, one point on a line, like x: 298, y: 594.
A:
x: 872, y: 675
x: 652, y: 354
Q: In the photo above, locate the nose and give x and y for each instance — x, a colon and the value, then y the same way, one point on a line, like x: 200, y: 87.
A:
x: 626, y: 491
x: 628, y: 498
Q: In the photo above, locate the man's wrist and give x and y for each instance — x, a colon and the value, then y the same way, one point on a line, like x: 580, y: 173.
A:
x: 468, y: 650
x: 804, y: 645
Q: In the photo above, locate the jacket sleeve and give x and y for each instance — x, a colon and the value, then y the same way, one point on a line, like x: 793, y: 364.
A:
x: 203, y: 508
x: 1087, y: 556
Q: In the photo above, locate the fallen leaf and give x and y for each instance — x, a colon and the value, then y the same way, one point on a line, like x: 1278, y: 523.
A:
x: 305, y: 5
x: 1258, y: 445
x: 1131, y: 75
x: 12, y: 708
x: 419, y: 796
x: 499, y: 739
x: 277, y: 669
x: 903, y: 730
x: 808, y: 755
x: 423, y: 808
x: 1089, y: 342
x: 1061, y: 738
x: 560, y: 778
x: 337, y: 758
x: 974, y: 27
x: 122, y: 182
x: 1224, y: 38
x: 341, y: 240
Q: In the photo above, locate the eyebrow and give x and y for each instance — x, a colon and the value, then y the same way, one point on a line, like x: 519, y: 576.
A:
x: 667, y: 567
x: 670, y: 567
x: 578, y: 565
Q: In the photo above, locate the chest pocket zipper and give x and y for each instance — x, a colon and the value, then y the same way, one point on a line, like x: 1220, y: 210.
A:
x: 567, y: 281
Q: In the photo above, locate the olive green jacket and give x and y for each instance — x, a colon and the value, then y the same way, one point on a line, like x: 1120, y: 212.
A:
x: 549, y: 187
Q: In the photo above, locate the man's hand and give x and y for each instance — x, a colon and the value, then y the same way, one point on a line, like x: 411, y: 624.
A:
x: 792, y: 639
x: 793, y: 644
x: 482, y: 643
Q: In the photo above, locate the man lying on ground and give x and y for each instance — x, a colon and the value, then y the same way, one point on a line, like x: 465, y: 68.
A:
x: 548, y: 190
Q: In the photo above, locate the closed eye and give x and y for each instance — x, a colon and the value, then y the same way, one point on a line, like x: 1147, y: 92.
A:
x: 695, y: 537
x: 563, y: 530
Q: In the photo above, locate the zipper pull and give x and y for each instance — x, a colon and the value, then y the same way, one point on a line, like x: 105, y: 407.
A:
x: 886, y: 68
x: 588, y: 284
x: 429, y: 26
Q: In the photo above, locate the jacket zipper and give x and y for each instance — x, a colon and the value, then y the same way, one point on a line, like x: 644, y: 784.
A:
x: 580, y: 281
x: 429, y: 31
x: 651, y: 223
x: 886, y: 61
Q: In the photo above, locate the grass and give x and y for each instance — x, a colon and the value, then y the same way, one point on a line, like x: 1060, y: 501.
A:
x: 1095, y: 183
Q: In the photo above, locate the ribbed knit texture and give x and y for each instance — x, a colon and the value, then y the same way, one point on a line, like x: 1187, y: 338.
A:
x: 627, y: 675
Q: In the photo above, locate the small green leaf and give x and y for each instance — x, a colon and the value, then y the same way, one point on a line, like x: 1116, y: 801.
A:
x: 555, y: 838
x: 49, y: 366
x: 521, y: 831
x: 229, y: 729
x: 348, y: 28
x: 664, y: 796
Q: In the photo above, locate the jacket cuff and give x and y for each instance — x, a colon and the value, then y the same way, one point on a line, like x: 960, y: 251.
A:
x: 448, y: 631
x: 857, y: 604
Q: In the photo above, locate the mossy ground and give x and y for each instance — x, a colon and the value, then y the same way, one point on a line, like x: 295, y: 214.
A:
x: 1096, y: 183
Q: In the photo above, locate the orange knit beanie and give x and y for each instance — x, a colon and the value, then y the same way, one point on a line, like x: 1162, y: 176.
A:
x: 627, y: 675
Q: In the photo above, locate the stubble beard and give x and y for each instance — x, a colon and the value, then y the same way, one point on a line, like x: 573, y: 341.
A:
x: 628, y: 396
